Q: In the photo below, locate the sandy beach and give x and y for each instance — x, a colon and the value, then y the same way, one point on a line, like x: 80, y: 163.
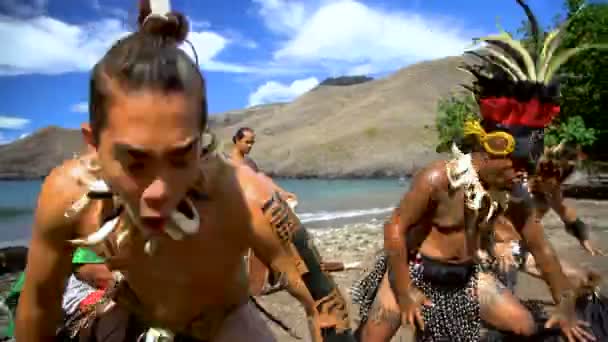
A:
x: 360, y: 243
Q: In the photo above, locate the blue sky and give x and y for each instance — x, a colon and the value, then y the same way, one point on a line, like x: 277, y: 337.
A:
x: 251, y: 51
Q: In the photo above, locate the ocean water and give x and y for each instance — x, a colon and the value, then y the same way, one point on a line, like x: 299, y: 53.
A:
x: 322, y: 204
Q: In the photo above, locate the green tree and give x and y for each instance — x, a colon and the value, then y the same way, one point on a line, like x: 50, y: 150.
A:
x: 452, y: 112
x: 584, y: 87
x: 570, y: 130
x: 585, y: 93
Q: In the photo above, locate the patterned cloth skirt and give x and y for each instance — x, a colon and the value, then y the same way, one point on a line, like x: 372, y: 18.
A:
x: 454, y: 315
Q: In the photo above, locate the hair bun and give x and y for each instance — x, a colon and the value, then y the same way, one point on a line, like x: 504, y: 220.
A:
x: 172, y: 25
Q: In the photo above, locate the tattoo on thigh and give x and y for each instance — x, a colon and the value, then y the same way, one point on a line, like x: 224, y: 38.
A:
x: 380, y: 314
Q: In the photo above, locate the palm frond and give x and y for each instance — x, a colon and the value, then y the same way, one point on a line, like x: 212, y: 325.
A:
x: 507, y: 59
x: 551, y: 44
x: 504, y: 65
x: 556, y: 62
x: 506, y: 38
x: 464, y: 69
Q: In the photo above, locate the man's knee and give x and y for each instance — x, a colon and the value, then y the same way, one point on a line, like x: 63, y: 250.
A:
x: 513, y: 317
x: 523, y: 323
x: 381, y: 314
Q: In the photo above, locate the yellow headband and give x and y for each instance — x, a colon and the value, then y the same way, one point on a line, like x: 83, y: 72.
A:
x: 472, y: 127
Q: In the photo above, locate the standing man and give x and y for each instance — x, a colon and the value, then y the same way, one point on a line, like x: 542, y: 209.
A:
x: 243, y: 141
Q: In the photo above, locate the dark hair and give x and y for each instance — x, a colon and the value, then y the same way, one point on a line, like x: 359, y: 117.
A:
x: 240, y: 133
x: 146, y: 59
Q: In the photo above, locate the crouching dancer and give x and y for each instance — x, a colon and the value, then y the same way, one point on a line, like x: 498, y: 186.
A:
x: 444, y: 295
x: 172, y: 226
x: 510, y: 255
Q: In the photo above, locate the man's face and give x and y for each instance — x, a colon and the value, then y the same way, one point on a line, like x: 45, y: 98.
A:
x: 497, y: 173
x: 148, y: 151
x: 245, y: 144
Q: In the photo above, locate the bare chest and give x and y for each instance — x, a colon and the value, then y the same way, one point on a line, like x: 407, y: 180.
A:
x: 449, y: 210
x: 214, y: 252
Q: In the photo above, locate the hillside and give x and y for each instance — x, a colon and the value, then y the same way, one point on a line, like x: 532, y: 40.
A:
x: 382, y: 127
x: 34, y: 156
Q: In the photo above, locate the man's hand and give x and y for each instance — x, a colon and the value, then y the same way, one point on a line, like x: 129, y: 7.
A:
x: 411, y: 307
x: 505, y: 258
x: 572, y: 328
x: 594, y: 251
x: 565, y: 318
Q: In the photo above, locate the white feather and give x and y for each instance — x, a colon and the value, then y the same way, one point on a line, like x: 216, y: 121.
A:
x: 98, y: 236
x: 292, y: 203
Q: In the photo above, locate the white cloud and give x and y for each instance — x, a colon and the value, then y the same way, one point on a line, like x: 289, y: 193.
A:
x: 24, y: 135
x: 361, y: 69
x: 346, y: 36
x: 239, y: 39
x: 283, y: 16
x: 82, y: 107
x: 47, y: 45
x: 273, y: 91
x: 9, y: 122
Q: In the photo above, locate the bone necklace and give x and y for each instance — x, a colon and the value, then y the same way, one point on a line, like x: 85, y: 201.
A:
x: 179, y: 225
x: 462, y: 174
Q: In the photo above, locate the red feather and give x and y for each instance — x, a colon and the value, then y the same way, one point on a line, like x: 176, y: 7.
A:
x: 510, y: 111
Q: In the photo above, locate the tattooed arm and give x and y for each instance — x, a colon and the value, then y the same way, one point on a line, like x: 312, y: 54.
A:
x: 547, y: 260
x: 285, y: 245
x: 573, y: 225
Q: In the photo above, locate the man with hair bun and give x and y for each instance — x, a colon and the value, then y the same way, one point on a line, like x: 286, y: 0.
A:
x: 171, y: 218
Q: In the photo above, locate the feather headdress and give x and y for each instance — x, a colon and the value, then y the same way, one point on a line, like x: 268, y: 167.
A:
x: 516, y: 86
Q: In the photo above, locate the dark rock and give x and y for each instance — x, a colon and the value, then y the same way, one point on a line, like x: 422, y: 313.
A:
x: 345, y: 80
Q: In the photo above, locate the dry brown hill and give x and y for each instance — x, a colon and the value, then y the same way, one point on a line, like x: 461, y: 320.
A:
x: 383, y: 127
x: 34, y: 156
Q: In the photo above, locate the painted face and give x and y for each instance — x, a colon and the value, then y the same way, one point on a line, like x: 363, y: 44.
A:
x: 149, y: 152
x: 245, y: 144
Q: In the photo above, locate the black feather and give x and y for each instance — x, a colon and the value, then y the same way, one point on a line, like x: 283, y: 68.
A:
x: 536, y: 36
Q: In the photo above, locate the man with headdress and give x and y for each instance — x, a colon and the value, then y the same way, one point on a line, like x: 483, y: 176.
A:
x: 450, y: 210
